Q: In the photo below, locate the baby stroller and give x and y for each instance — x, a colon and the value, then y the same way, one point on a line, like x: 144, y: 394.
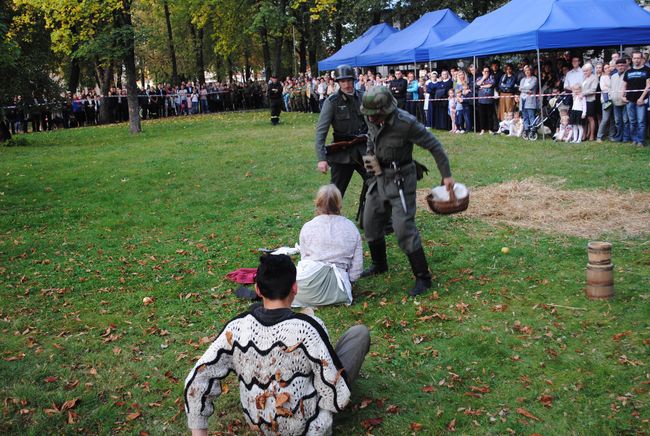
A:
x: 551, y: 119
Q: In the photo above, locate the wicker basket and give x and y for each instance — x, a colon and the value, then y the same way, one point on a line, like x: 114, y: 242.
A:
x: 454, y: 205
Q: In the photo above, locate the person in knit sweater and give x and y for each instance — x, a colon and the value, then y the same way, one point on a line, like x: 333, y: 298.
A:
x: 291, y: 379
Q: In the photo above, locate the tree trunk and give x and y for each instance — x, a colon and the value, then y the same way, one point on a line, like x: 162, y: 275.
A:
x: 277, y: 55
x: 304, y: 31
x: 247, y: 66
x: 170, y: 41
x: 266, y: 53
x: 230, y: 70
x: 142, y: 73
x: 199, y: 59
x: 118, y: 79
x: 75, y: 72
x: 338, y: 26
x: 131, y: 74
x: 105, y: 76
x: 313, y: 44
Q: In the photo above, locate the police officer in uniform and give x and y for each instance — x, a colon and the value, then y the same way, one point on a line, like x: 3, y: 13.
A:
x: 342, y: 111
x: 275, y: 99
x: 398, y: 89
x: 393, y: 181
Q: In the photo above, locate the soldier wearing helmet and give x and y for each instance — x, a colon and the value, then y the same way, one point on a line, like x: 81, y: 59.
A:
x: 393, y: 181
x: 342, y: 111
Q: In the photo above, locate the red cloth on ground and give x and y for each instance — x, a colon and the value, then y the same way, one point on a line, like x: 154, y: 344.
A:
x: 244, y: 276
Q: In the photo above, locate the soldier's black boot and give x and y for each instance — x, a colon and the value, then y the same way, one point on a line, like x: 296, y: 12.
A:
x: 420, y: 269
x: 378, y: 255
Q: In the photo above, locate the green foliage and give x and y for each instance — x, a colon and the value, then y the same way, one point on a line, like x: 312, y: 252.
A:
x: 26, y: 58
x: 94, y: 220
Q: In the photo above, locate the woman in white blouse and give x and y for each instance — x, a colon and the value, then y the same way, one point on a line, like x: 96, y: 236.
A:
x: 589, y: 87
x: 331, y: 254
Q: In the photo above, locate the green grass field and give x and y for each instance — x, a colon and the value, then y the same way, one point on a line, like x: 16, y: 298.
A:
x: 94, y: 220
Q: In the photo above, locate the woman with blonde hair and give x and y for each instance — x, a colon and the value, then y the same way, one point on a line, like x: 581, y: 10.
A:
x: 331, y: 254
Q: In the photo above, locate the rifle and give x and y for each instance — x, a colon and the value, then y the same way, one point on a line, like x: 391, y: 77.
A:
x: 338, y: 146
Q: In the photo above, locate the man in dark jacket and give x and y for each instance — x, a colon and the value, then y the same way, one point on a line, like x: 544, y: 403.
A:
x: 275, y: 99
x: 398, y: 87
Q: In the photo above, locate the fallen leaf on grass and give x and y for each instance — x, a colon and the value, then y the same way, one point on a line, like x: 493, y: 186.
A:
x: 133, y: 415
x: 428, y: 389
x: 480, y: 389
x: 617, y: 337
x: 416, y: 426
x: 371, y: 423
x: 50, y: 379
x: 392, y: 408
x: 70, y: 404
x: 19, y: 356
x: 546, y: 400
x: 527, y: 414
x: 73, y: 417
x: 452, y: 425
x: 623, y: 360
x: 500, y: 308
x: 365, y: 403
x: 71, y: 385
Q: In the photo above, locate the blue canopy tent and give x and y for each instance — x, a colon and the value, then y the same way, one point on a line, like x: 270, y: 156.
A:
x: 347, y: 54
x: 412, y: 44
x: 522, y: 25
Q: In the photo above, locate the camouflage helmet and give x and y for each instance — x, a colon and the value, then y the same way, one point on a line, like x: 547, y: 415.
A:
x: 378, y: 101
x: 344, y: 72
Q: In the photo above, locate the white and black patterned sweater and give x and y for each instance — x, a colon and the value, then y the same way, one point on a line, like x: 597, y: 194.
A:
x: 290, y: 379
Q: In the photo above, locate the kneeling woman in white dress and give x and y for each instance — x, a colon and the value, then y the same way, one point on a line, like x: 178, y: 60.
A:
x: 331, y: 254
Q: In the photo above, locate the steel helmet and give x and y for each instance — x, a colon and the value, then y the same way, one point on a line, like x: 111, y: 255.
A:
x: 344, y: 72
x: 378, y: 100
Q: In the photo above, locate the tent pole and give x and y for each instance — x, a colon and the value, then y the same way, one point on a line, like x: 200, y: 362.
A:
x: 539, y: 82
x: 474, y: 95
x: 620, y: 52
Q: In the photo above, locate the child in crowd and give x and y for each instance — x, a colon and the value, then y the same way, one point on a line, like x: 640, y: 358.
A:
x: 516, y: 125
x: 564, y: 131
x: 468, y: 107
x: 291, y: 379
x: 451, y: 98
x: 506, y: 125
x: 460, y: 112
x: 578, y: 113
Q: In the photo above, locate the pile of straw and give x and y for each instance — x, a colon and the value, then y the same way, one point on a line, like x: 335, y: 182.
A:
x: 540, y: 204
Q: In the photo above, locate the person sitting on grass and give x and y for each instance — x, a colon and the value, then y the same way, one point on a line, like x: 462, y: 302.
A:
x: 331, y: 254
x: 291, y: 379
x: 516, y: 125
x: 506, y: 125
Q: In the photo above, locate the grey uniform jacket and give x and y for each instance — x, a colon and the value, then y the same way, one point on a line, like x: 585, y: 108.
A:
x: 343, y: 113
x: 393, y: 141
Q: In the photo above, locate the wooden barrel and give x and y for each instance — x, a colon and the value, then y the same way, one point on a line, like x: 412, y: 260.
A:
x: 600, y: 253
x: 600, y: 281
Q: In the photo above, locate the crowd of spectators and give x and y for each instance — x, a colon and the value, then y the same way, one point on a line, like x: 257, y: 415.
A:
x: 579, y: 100
x: 83, y: 108
x: 507, y: 100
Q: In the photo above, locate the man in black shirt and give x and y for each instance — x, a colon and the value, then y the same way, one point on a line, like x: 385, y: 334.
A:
x: 275, y: 99
x: 637, y: 81
x: 398, y: 87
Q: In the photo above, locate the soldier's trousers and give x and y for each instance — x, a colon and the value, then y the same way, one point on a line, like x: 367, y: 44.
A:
x: 342, y: 174
x: 383, y: 202
x: 276, y: 108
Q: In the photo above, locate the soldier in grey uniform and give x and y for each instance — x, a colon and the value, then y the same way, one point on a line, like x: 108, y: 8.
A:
x: 342, y: 111
x: 391, y: 135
